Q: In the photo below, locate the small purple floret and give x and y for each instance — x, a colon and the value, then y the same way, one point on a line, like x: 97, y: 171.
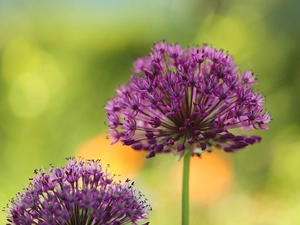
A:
x: 79, y: 193
x: 186, y: 99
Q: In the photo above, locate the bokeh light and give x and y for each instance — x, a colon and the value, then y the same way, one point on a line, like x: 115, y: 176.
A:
x: 28, y: 95
x: 211, y: 177
x: 123, y: 160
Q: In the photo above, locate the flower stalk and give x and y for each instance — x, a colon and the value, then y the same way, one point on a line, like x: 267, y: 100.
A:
x: 185, y: 189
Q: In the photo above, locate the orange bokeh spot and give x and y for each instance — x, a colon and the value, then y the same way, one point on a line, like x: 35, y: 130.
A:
x: 123, y: 160
x: 210, y: 177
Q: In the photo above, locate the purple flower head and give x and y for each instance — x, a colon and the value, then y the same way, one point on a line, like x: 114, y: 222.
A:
x: 186, y: 99
x: 80, y: 193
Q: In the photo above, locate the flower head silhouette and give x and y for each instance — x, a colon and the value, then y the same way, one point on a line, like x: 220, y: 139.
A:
x: 80, y: 193
x: 186, y: 99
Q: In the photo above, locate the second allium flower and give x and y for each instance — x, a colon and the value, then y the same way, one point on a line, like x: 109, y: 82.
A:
x: 186, y: 99
x: 80, y: 193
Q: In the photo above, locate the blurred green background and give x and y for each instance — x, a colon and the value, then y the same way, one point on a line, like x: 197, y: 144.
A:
x: 61, y: 60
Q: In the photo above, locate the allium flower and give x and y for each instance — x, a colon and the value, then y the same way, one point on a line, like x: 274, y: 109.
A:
x: 186, y: 100
x: 81, y: 193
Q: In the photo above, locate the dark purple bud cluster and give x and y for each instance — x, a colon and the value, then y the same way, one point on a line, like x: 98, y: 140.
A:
x: 186, y: 100
x: 80, y: 193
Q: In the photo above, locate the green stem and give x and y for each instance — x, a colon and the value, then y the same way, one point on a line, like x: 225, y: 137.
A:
x: 185, y: 189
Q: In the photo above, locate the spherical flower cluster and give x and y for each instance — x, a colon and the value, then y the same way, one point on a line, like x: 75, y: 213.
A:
x: 80, y: 193
x: 186, y: 99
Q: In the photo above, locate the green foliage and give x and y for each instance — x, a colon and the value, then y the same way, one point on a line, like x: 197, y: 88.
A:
x: 59, y: 63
